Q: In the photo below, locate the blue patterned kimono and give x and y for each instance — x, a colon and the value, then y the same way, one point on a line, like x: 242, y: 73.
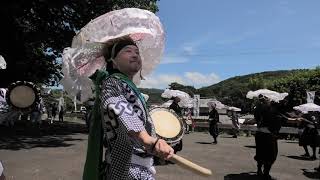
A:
x: 123, y: 111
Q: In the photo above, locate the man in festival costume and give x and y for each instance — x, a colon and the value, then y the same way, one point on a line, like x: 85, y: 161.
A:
x: 235, y: 123
x: 131, y: 126
x: 318, y: 122
x: 120, y: 121
x: 177, y: 109
x: 175, y: 106
x: 213, y: 123
x: 269, y: 123
x: 309, y: 135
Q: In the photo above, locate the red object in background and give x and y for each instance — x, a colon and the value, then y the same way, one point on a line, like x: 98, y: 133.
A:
x: 193, y: 123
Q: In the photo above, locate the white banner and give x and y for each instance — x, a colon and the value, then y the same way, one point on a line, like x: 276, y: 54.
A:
x: 196, y: 105
x: 310, y: 96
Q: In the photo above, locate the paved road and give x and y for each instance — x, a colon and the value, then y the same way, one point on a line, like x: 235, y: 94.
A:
x: 232, y: 159
x: 61, y: 157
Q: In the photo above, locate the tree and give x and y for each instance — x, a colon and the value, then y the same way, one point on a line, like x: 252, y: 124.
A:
x: 256, y: 83
x: 35, y: 32
x: 297, y: 84
x: 188, y: 89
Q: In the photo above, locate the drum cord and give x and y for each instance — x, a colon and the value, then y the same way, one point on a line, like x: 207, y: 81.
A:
x: 154, y: 145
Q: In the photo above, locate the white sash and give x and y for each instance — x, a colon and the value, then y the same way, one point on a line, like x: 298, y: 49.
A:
x: 1, y: 169
x: 145, y: 162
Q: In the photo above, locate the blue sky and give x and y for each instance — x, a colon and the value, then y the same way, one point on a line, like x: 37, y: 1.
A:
x: 208, y: 41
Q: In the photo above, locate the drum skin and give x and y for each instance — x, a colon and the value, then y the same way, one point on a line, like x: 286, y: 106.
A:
x: 23, y: 96
x: 168, y: 125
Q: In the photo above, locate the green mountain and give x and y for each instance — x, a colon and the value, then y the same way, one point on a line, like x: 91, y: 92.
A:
x: 154, y: 95
x: 233, y: 91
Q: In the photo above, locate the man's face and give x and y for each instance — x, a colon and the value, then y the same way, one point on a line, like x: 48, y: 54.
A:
x: 177, y: 99
x: 263, y: 99
x: 128, y: 60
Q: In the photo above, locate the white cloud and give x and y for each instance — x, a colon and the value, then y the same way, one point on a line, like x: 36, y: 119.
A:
x: 234, y: 39
x: 189, y: 49
x: 181, y: 54
x: 173, y: 59
x: 199, y: 79
x: 285, y: 8
x: 315, y: 42
x: 161, y: 81
x: 284, y: 3
x: 185, y: 50
x: 230, y: 63
x: 195, y: 79
x: 209, y: 62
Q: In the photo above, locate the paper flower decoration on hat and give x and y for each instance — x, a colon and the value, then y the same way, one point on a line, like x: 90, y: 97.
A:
x: 166, y: 104
x: 305, y: 108
x: 185, y: 99
x: 233, y: 109
x: 85, y: 55
x: 3, y: 64
x: 216, y: 104
x: 3, y: 102
x: 271, y: 95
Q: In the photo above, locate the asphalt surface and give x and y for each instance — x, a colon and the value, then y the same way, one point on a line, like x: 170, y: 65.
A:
x: 61, y: 157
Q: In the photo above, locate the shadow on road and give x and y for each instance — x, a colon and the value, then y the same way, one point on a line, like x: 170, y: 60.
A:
x: 242, y: 176
x: 311, y: 174
x: 301, y: 158
x: 25, y: 135
x: 204, y: 142
x: 228, y: 137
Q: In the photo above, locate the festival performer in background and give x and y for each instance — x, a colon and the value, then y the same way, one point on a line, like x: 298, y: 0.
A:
x: 190, y: 122
x: 309, y: 135
x: 268, y: 123
x: 235, y: 124
x: 54, y: 110
x: 61, y: 113
x: 175, y: 106
x: 177, y: 109
x: 213, y: 123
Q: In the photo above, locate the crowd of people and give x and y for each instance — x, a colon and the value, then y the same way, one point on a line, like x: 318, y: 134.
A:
x: 127, y: 126
x: 122, y: 140
x: 36, y: 115
x: 131, y: 130
x: 270, y: 116
x: 54, y: 111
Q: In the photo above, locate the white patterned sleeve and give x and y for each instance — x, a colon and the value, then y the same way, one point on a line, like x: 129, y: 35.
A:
x: 117, y: 106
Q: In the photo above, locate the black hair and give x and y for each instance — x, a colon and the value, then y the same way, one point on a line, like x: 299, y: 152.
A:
x: 114, y: 49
